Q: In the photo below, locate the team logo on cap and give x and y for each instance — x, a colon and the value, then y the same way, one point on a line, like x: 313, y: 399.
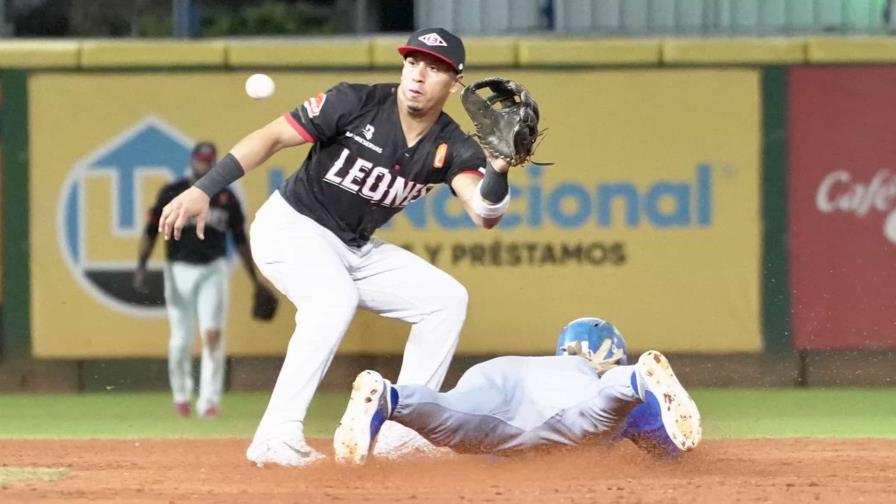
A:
x: 432, y: 39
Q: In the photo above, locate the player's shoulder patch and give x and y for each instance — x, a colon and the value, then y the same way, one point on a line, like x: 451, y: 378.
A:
x: 314, y: 104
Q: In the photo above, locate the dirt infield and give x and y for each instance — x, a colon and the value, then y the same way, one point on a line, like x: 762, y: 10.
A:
x: 792, y: 470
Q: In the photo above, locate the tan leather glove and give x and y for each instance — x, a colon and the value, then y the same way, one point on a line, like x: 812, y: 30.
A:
x: 604, y: 364
x: 579, y: 348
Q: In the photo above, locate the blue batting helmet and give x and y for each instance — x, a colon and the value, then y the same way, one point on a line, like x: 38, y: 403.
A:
x: 593, y: 331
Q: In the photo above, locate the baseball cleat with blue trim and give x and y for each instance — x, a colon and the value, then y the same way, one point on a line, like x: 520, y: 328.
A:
x: 368, y: 408
x: 287, y: 453
x: 677, y: 428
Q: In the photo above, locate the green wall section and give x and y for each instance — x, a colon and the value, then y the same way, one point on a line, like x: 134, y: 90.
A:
x: 16, y: 329
x: 775, y: 289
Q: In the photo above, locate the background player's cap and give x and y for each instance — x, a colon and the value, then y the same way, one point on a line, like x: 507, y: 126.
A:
x: 438, y: 42
x: 205, y: 151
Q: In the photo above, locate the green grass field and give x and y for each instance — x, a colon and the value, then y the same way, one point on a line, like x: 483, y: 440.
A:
x: 727, y: 413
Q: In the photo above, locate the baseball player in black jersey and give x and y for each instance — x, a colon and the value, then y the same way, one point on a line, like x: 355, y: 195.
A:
x: 196, y: 278
x: 376, y: 148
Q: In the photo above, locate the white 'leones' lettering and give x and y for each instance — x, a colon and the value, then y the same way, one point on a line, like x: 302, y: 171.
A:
x: 354, y: 175
x: 399, y: 191
x: 377, y: 184
x: 331, y: 174
x: 419, y: 190
x: 380, y: 176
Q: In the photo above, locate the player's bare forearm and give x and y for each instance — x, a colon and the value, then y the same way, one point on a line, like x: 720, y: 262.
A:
x: 147, y: 241
x: 258, y: 146
x: 246, y: 256
x: 250, y: 152
x: 466, y: 186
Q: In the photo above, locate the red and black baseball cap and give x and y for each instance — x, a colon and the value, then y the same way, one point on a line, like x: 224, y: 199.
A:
x: 438, y: 42
x: 205, y: 151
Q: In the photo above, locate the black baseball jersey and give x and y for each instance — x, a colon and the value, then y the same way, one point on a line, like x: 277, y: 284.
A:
x: 360, y: 171
x: 225, y: 214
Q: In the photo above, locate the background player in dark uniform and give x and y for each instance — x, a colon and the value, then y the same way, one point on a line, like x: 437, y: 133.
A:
x: 196, y: 286
x: 376, y: 149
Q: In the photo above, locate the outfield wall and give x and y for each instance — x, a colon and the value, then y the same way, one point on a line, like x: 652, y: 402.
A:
x: 667, y: 211
x: 655, y: 192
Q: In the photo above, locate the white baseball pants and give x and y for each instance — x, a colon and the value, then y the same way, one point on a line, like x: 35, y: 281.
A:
x: 327, y: 281
x: 196, y: 291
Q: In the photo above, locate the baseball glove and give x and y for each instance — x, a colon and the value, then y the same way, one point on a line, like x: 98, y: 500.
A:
x: 506, y: 122
x: 602, y: 360
x: 265, y: 305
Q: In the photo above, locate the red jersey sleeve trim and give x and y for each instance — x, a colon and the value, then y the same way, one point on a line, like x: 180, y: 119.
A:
x: 298, y: 127
x: 474, y: 172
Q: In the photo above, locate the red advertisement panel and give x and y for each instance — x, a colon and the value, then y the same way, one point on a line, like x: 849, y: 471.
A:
x: 842, y: 206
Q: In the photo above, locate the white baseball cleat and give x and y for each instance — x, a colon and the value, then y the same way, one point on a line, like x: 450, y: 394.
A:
x: 284, y: 453
x: 367, y: 410
x: 679, y: 412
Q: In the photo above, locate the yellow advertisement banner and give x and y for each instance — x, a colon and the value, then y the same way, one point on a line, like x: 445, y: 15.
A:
x: 649, y: 218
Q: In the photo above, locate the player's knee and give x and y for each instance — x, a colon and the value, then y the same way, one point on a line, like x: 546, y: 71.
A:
x: 454, y: 297
x: 212, y: 338
x: 179, y: 340
x: 333, y: 301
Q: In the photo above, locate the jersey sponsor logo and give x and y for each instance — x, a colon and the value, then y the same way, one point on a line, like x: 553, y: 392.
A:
x: 368, y: 131
x: 314, y: 104
x: 101, y: 212
x: 378, y: 184
x: 364, y: 142
x: 432, y: 39
x: 439, y: 160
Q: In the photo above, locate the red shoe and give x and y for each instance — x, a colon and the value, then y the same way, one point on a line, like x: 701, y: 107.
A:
x: 211, y: 412
x: 183, y: 408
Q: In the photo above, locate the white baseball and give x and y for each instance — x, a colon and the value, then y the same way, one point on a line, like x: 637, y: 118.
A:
x: 259, y: 86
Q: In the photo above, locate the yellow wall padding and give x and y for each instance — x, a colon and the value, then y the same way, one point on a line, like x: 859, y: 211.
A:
x: 300, y: 53
x: 39, y: 53
x: 380, y: 52
x: 384, y: 51
x: 151, y: 53
x: 734, y: 51
x: 536, y: 52
x: 851, y: 49
x: 492, y: 51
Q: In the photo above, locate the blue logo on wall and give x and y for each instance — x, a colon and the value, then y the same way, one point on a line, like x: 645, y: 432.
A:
x: 150, y: 147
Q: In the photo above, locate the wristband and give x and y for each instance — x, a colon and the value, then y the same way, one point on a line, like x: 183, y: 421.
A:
x: 224, y: 173
x: 488, y: 210
x: 494, y: 184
